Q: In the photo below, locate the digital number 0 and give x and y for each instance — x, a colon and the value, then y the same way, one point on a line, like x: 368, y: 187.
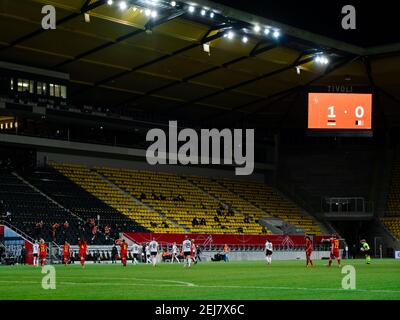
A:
x: 360, y: 112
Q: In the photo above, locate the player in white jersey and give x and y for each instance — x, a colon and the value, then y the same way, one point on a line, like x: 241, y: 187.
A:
x: 153, y: 251
x: 135, y: 252
x: 186, y: 246
x: 268, y: 251
x: 148, y: 254
x: 35, y: 252
x: 174, y: 253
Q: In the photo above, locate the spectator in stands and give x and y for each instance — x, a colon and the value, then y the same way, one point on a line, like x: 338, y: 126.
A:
x: 107, y: 233
x: 165, y: 225
x: 203, y: 222
x: 81, y: 231
x: 94, y: 236
x: 94, y: 230
x: 216, y: 219
x: 195, y: 222
x: 107, y: 230
x: 92, y: 222
x: 263, y: 229
x: 162, y: 197
x: 142, y: 196
x: 54, y: 229
x: 39, y: 229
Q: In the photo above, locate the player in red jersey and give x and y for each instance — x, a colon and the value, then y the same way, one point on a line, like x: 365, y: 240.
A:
x: 42, y: 252
x: 335, y: 254
x: 82, y: 251
x: 67, y: 252
x: 193, y: 252
x: 309, y: 252
x: 124, y: 252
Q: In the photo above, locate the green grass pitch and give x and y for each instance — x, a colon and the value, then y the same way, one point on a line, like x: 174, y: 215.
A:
x: 234, y: 280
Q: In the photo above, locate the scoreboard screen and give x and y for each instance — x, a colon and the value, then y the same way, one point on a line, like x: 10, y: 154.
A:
x: 350, y: 111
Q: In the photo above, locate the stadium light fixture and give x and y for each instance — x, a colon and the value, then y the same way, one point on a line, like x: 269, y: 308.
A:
x: 245, y: 39
x: 123, y: 5
x: 110, y: 2
x: 212, y: 15
x: 321, y: 59
x: 203, y: 12
x: 154, y: 14
x: 231, y: 35
x: 267, y: 31
x: 257, y: 28
x: 147, y: 12
x: 173, y: 3
x: 191, y: 9
x: 206, y: 48
x: 276, y: 34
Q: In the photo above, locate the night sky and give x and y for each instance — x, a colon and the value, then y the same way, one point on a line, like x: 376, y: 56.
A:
x: 378, y: 22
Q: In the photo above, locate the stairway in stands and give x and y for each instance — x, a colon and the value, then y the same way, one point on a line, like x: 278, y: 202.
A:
x: 272, y: 203
x: 84, y: 194
x: 243, y: 208
x: 28, y: 207
x: 151, y: 216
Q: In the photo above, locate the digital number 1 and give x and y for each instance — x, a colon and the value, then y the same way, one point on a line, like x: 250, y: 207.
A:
x: 331, y: 113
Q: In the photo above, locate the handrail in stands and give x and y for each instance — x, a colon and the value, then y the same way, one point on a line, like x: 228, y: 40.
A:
x: 11, y: 226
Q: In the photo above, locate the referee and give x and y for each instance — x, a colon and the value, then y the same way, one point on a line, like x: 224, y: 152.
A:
x: 366, y: 250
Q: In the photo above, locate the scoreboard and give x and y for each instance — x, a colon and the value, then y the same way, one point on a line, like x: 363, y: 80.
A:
x: 345, y: 111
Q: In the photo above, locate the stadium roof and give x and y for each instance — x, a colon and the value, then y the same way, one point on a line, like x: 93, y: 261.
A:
x: 155, y: 61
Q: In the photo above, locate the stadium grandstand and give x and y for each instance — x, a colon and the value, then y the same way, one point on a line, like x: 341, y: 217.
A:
x: 77, y: 105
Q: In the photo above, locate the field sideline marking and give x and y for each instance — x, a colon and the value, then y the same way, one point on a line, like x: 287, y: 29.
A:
x: 189, y: 284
